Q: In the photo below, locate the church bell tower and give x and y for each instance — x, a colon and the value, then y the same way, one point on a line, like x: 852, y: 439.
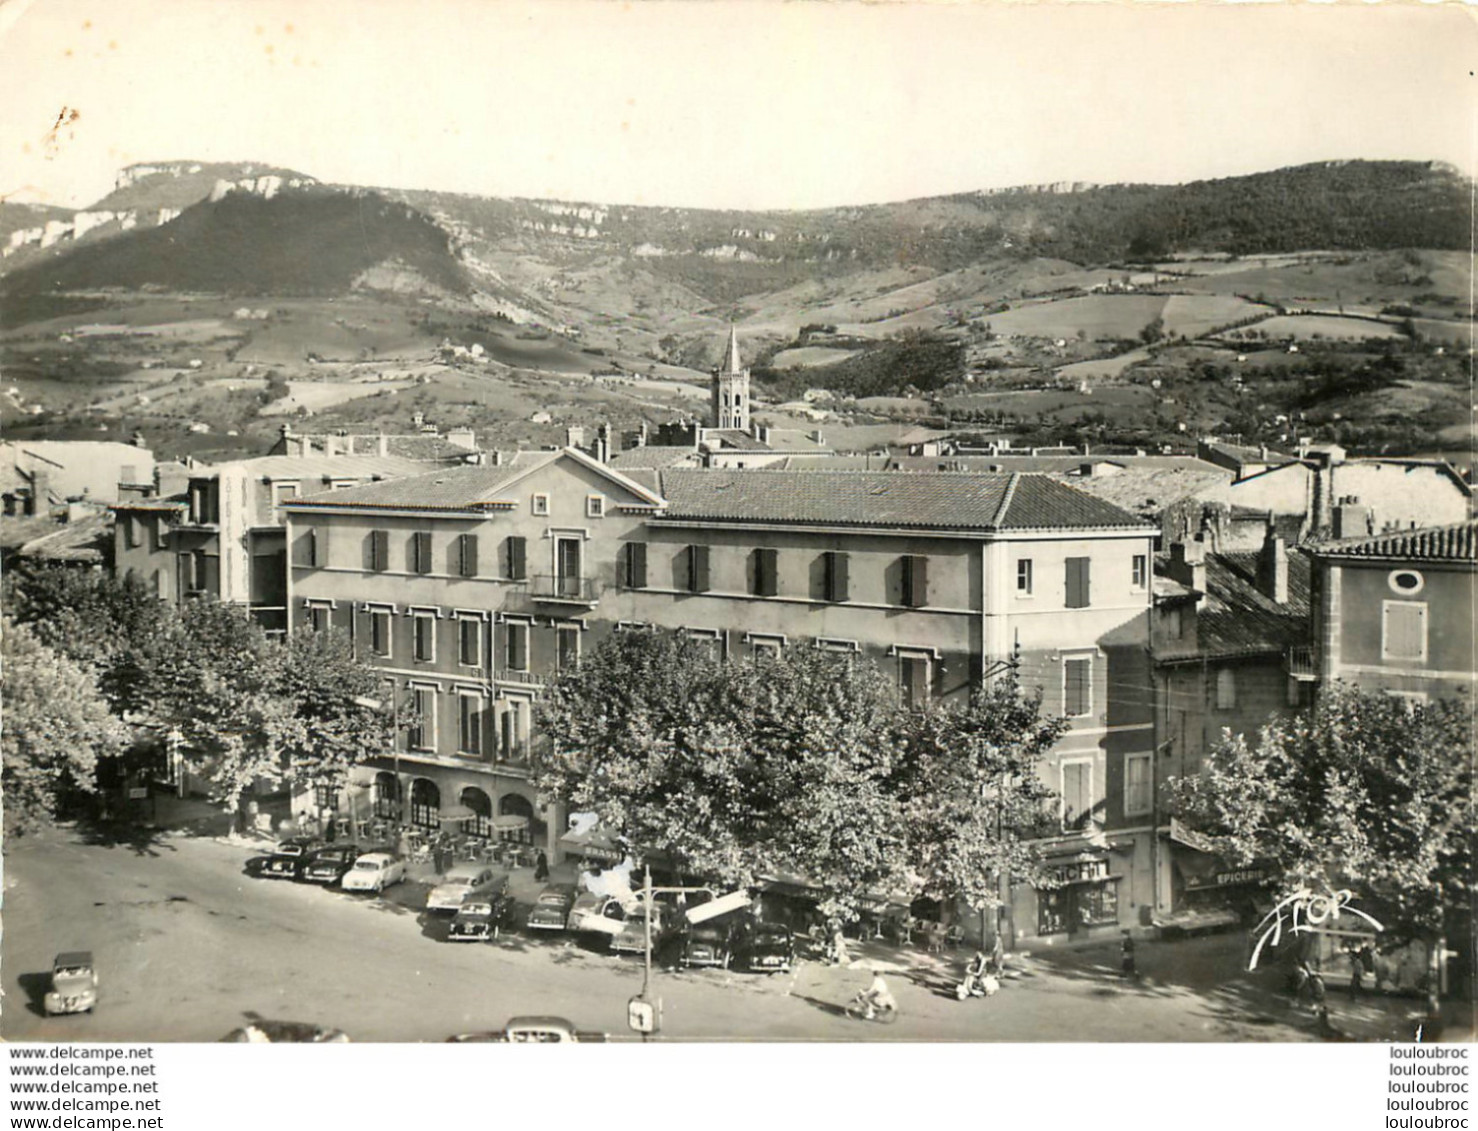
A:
x: 731, y: 389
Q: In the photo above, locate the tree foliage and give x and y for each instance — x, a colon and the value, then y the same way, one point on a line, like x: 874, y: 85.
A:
x: 56, y: 728
x: 1363, y: 792
x: 802, y: 764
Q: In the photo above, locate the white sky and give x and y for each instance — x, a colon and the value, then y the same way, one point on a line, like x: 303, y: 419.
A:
x: 745, y: 104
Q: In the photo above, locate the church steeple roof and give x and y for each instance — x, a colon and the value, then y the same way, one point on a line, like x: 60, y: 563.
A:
x: 731, y: 362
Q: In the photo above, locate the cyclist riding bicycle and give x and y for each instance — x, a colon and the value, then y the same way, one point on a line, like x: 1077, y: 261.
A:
x: 877, y: 996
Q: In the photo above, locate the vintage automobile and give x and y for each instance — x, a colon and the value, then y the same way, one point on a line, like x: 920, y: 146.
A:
x: 767, y: 948
x: 328, y: 865
x: 481, y: 918
x: 374, y: 871
x: 298, y: 846
x: 709, y: 944
x: 551, y: 911
x: 462, y: 882
x: 539, y: 1030
x: 261, y: 1031
x: 74, y: 984
x: 632, y: 937
x: 595, y: 914
x: 283, y: 867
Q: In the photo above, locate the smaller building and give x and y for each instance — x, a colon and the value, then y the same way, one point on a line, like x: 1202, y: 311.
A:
x: 1394, y: 612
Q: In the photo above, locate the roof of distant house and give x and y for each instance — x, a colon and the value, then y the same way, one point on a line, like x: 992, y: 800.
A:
x: 653, y: 455
x: 1149, y: 490
x: 775, y: 440
x: 1237, y: 618
x: 321, y: 467
x: 422, y: 446
x: 461, y: 488
x: 1455, y: 543
x: 87, y: 539
x: 942, y: 501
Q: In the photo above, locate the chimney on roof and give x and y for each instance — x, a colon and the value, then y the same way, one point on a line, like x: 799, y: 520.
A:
x: 1272, y: 566
x: 139, y: 441
x: 383, y: 444
x: 1351, y: 520
x: 1262, y: 452
x: 1187, y: 564
x: 818, y: 437
x: 330, y: 445
x: 641, y: 435
x: 575, y: 436
x: 603, y: 443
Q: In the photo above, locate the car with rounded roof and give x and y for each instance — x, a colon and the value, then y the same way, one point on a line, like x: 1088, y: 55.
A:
x: 374, y: 871
x: 595, y: 914
x: 551, y: 910
x: 461, y: 882
x: 73, y: 987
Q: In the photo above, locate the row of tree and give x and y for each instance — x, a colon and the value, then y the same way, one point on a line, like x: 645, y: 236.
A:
x: 98, y: 669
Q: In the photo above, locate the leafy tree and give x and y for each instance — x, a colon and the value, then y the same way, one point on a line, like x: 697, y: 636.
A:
x: 1153, y: 330
x: 213, y: 677
x: 1362, y: 793
x: 974, y: 795
x: 96, y: 619
x: 327, y: 732
x: 56, y: 728
x: 804, y: 763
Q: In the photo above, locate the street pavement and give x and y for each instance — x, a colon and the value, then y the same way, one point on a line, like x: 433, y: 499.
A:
x: 189, y: 946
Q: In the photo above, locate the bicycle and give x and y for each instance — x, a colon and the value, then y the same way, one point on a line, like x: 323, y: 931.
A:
x: 861, y: 1008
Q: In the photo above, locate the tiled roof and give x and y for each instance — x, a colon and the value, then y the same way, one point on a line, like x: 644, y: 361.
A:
x: 1456, y: 543
x: 451, y: 488
x: 325, y: 467
x: 942, y: 501
x: 1149, y: 490
x: 653, y: 455
x: 86, y: 540
x: 1237, y: 618
x: 151, y: 504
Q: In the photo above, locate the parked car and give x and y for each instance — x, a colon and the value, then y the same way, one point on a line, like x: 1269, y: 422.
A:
x: 596, y: 914
x: 283, y: 867
x: 464, y: 881
x: 542, y: 1030
x: 285, y: 1032
x: 328, y: 865
x: 298, y: 846
x: 632, y: 937
x: 767, y: 948
x: 481, y: 917
x: 709, y: 944
x: 74, y: 984
x: 374, y: 871
x: 551, y: 911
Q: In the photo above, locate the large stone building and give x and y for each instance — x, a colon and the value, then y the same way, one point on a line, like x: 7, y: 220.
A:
x: 470, y: 588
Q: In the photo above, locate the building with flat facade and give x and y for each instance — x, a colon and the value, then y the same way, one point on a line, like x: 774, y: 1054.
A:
x: 472, y: 587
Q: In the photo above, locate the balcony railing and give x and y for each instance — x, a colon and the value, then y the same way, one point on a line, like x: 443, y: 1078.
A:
x: 564, y: 589
x: 1302, y: 662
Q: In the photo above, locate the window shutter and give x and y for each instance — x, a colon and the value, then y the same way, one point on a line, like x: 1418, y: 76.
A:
x: 915, y: 581
x: 212, y: 571
x: 698, y: 569
x: 516, y: 558
x: 1075, y: 799
x: 636, y: 565
x: 836, y: 576
x: 1077, y: 583
x: 518, y: 646
x: 1076, y: 674
x: 766, y: 572
x: 379, y: 550
x: 1405, y: 632
x: 421, y: 551
x: 467, y: 555
x: 320, y: 547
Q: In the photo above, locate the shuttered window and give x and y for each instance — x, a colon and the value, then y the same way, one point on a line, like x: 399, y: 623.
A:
x: 698, y: 569
x: 515, y: 558
x: 425, y: 637
x: 1077, y: 583
x: 313, y: 548
x: 1226, y: 689
x: 1404, y: 630
x: 379, y: 550
x: 380, y: 632
x: 1077, y: 793
x: 467, y: 555
x: 1137, y: 798
x: 516, y: 636
x: 421, y: 551
x: 766, y: 580
x: 634, y: 565
x: 835, y: 582
x: 915, y: 581
x: 469, y: 723
x: 1077, y: 687
x: 469, y: 642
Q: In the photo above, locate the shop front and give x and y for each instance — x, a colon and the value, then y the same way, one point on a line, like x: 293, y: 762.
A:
x: 1082, y: 894
x: 1206, y: 892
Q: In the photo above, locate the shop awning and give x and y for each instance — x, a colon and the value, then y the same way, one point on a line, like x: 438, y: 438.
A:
x: 458, y: 813
x: 1183, y: 834
x: 510, y: 823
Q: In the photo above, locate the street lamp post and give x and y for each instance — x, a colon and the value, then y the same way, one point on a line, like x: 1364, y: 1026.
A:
x: 648, y: 891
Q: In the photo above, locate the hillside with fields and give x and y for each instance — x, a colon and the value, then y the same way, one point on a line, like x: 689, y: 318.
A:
x: 227, y: 296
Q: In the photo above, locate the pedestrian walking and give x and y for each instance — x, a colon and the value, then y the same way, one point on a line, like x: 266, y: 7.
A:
x: 1127, y: 968
x: 541, y: 867
x: 998, y: 955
